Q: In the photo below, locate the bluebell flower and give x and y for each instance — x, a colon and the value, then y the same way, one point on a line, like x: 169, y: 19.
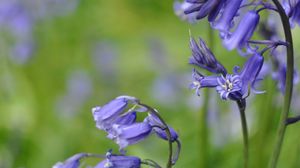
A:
x: 72, y: 162
x: 105, y: 116
x: 179, y: 9
x: 225, y: 21
x: 204, y: 58
x: 244, y: 31
x: 292, y: 9
x: 125, y: 135
x: 232, y: 86
x: 119, y: 161
x: 198, y: 9
x: 159, y: 128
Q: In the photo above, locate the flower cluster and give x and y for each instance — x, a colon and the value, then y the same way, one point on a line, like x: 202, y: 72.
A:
x: 236, y: 22
x: 230, y: 86
x: 119, y: 119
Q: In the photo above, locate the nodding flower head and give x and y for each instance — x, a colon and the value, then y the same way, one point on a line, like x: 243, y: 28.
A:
x: 159, y: 128
x: 204, y: 58
x: 125, y: 135
x: 119, y: 161
x: 224, y: 22
x: 106, y: 115
x: 292, y: 9
x: 179, y: 9
x: 203, y: 8
x: 243, y: 33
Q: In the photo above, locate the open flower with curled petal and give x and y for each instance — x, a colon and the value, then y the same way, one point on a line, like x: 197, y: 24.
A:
x: 232, y: 86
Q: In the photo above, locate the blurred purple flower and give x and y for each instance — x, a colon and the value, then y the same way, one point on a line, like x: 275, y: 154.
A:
x: 243, y: 33
x: 225, y: 21
x: 104, y: 58
x: 79, y: 88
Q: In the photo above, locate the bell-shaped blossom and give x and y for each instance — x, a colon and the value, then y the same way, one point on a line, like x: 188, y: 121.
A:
x: 72, y: 162
x: 107, y: 114
x: 234, y: 86
x: 119, y: 161
x: 244, y: 31
x: 125, y: 135
x: 224, y: 22
x: 204, y: 58
x: 292, y: 9
x: 159, y: 128
x: 199, y: 9
x: 179, y: 9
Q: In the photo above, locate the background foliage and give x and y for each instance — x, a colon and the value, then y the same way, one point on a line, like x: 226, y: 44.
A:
x: 104, y: 49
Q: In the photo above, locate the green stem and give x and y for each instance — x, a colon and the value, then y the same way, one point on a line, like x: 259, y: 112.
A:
x: 242, y: 106
x: 203, y: 125
x: 288, y: 83
x: 155, y: 113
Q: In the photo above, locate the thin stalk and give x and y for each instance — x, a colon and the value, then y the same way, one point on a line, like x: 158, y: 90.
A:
x: 288, y: 83
x: 203, y: 124
x: 242, y: 106
x: 167, y: 130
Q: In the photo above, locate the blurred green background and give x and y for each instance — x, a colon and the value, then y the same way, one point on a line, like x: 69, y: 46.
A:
x: 102, y: 49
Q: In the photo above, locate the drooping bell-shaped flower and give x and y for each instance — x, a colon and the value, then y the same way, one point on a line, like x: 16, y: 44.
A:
x: 119, y: 161
x: 125, y: 135
x: 72, y: 162
x: 204, y: 58
x: 292, y: 9
x: 244, y: 31
x: 179, y: 9
x: 224, y: 22
x: 107, y: 114
x: 159, y: 128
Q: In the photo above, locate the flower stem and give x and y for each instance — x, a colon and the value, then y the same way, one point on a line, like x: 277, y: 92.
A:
x: 242, y: 106
x: 288, y: 83
x: 154, y: 112
x: 203, y: 124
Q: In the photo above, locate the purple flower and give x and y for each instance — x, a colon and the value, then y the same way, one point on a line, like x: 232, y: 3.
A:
x: 224, y: 22
x: 105, y: 116
x: 204, y: 58
x: 119, y: 161
x: 202, y: 81
x: 198, y: 9
x: 125, y: 135
x: 72, y: 162
x: 280, y: 76
x: 232, y: 86
x: 292, y: 9
x: 179, y: 9
x: 243, y: 33
x: 159, y: 128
